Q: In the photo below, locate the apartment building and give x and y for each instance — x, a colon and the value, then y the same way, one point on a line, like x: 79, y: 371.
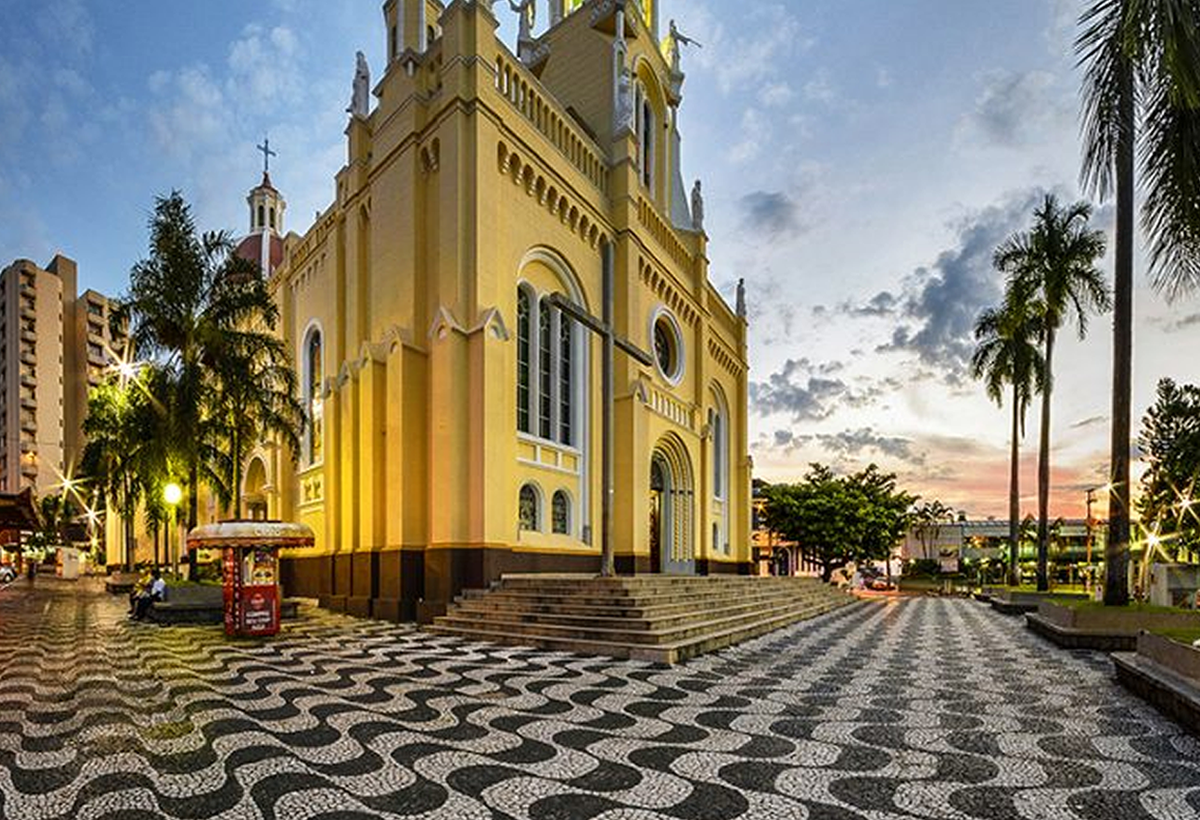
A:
x: 54, y: 344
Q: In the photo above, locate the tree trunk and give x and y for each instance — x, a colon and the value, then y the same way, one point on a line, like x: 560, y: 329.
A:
x: 1116, y: 549
x: 1014, y: 495
x: 1043, y: 549
x: 193, y: 510
x: 237, y: 474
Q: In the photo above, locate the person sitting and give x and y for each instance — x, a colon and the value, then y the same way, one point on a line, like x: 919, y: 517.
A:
x: 156, y: 592
x: 140, y: 586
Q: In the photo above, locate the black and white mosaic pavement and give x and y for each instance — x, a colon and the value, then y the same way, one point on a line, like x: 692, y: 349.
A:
x: 921, y: 708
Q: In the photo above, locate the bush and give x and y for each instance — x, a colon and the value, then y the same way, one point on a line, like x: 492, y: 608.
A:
x: 921, y: 566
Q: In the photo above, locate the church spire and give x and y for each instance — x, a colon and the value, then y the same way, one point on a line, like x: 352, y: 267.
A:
x: 266, y: 204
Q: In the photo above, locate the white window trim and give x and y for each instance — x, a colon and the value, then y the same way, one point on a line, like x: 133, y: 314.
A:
x: 680, y: 349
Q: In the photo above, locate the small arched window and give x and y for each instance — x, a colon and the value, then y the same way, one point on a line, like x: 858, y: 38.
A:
x: 272, y: 219
x: 527, y: 509
x: 262, y: 217
x: 313, y: 375
x: 720, y: 444
x: 560, y: 513
x: 647, y: 144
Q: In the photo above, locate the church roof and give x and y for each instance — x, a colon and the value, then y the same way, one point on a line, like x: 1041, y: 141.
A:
x: 250, y: 249
x: 266, y: 183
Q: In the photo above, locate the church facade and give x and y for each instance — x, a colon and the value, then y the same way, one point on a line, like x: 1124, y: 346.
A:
x: 456, y: 409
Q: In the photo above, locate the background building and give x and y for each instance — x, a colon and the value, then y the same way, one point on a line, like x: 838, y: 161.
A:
x: 53, y: 345
x: 456, y: 409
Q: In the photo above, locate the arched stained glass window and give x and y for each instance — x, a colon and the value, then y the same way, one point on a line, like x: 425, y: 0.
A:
x: 313, y: 371
x: 527, y: 508
x: 560, y: 513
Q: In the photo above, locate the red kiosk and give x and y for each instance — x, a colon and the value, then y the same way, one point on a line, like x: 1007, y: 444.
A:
x: 250, y: 568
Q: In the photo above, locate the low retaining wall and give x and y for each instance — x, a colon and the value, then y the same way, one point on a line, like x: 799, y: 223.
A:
x: 1112, y: 629
x: 1164, y: 673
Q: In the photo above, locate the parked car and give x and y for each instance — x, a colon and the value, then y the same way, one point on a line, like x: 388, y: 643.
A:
x: 7, y: 573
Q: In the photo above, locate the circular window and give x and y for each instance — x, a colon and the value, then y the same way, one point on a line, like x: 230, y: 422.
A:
x: 668, y: 348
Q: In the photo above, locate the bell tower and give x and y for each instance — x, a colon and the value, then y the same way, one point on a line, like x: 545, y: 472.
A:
x: 266, y: 204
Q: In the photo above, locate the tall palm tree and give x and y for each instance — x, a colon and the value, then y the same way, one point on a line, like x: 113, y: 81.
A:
x: 1142, y: 65
x: 205, y: 316
x: 257, y: 396
x: 1008, y: 354
x: 1054, y: 264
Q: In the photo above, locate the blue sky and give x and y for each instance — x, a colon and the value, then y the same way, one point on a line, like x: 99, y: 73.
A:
x: 861, y: 159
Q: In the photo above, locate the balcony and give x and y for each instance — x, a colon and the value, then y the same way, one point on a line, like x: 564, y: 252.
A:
x: 28, y: 357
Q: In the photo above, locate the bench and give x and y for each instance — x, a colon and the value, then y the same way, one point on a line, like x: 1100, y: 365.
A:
x: 120, y: 583
x: 202, y: 604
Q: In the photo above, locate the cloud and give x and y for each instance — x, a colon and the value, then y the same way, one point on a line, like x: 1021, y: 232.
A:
x: 810, y: 391
x: 1013, y: 109
x: 820, y: 88
x: 776, y: 95
x: 1191, y: 320
x: 771, y: 212
x: 863, y: 440
x: 767, y: 39
x: 795, y: 391
x: 884, y: 303
x: 942, y: 301
x: 1089, y: 422
x: 754, y: 129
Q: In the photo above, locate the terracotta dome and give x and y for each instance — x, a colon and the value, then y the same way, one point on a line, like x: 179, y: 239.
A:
x: 250, y: 249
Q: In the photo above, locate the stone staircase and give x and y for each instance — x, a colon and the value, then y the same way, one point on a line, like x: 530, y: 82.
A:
x: 653, y: 617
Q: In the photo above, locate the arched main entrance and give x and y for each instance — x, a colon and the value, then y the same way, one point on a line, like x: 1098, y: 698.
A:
x: 672, y: 547
x: 255, y: 497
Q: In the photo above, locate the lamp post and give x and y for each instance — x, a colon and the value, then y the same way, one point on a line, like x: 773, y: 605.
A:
x: 172, y: 494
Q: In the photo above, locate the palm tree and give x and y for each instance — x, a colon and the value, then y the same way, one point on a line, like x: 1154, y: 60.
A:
x: 1054, y: 266
x: 205, y: 316
x: 257, y: 395
x: 1142, y: 60
x: 126, y: 447
x: 1008, y: 354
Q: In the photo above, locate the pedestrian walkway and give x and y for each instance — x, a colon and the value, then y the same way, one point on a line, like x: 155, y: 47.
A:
x: 906, y: 708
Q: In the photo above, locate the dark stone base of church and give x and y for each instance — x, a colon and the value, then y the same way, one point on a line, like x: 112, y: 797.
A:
x: 411, y: 585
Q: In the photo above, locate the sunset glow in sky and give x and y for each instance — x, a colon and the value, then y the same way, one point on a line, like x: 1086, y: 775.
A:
x: 861, y: 160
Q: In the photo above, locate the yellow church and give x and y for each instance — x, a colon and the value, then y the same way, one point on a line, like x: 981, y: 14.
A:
x: 449, y: 314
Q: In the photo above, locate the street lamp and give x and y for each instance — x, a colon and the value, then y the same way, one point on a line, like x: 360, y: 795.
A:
x: 172, y: 494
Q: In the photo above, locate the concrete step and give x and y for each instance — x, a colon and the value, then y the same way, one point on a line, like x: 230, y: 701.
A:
x: 652, y: 634
x: 636, y: 608
x: 651, y: 617
x: 665, y: 618
x: 670, y: 653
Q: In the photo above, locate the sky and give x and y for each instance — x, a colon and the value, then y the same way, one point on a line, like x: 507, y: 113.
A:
x: 861, y: 160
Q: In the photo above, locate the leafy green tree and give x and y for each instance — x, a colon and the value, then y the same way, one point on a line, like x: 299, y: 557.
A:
x: 1142, y: 69
x: 1007, y: 354
x: 1053, y: 265
x: 1170, y: 445
x: 837, y: 520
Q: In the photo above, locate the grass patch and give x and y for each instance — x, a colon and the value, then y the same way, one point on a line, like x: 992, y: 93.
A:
x: 1187, y: 636
x: 1135, y: 606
